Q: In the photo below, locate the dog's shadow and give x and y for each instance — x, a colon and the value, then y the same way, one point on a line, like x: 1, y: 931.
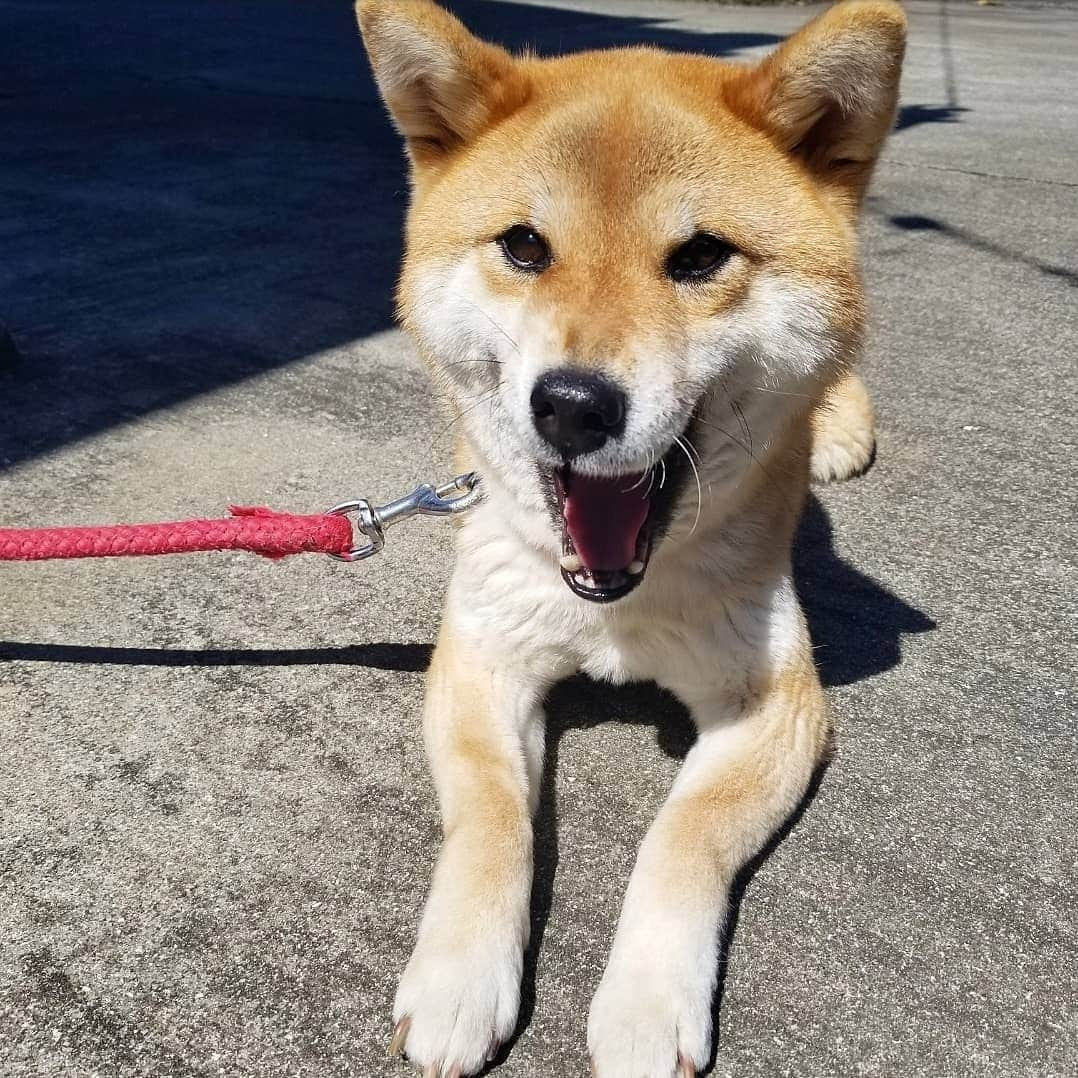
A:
x: 857, y: 626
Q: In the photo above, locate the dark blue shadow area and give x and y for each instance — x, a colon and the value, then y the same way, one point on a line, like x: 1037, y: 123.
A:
x: 197, y: 191
x: 915, y: 115
x: 950, y: 112
x: 550, y: 31
x: 856, y: 624
x: 919, y: 223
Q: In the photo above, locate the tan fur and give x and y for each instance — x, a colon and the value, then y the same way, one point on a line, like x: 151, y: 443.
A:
x: 485, y: 815
x: 615, y: 158
x: 844, y: 432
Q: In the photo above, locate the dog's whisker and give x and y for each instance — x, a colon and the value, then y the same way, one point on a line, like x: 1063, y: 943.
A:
x: 699, y: 490
x: 645, y: 473
x: 780, y: 392
x: 485, y: 399
x: 492, y: 321
x: 651, y: 473
x: 687, y: 442
x: 747, y: 451
x: 744, y: 423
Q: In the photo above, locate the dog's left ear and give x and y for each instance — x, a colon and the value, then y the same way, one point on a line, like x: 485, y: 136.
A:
x: 828, y: 94
x: 441, y: 84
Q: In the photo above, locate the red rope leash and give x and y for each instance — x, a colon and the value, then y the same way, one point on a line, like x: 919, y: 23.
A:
x: 259, y: 530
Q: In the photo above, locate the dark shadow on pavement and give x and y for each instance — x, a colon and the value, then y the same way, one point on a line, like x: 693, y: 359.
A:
x: 856, y: 624
x: 737, y: 896
x: 915, y: 115
x: 411, y: 658
x: 916, y: 222
x: 581, y: 704
x: 550, y: 31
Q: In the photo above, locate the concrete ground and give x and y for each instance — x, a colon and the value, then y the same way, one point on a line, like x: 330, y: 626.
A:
x: 217, y: 828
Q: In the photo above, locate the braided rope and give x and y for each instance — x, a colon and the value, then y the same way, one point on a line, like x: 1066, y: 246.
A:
x: 256, y: 529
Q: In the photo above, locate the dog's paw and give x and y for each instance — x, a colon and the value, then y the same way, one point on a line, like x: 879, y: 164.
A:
x: 844, y: 433
x: 645, y: 1023
x: 846, y: 456
x: 457, y: 1003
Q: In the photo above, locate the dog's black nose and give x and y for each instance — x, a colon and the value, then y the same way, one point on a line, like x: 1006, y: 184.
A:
x: 577, y: 412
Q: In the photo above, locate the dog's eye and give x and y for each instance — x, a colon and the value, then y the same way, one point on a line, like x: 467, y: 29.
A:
x: 525, y: 248
x: 698, y: 257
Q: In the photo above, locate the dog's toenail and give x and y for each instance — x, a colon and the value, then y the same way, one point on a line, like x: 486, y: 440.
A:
x: 400, y: 1035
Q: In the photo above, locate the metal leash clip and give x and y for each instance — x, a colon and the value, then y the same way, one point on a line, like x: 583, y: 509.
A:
x: 371, y: 521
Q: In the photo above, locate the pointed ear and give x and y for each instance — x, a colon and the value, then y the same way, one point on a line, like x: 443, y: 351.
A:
x: 442, y: 86
x: 828, y: 94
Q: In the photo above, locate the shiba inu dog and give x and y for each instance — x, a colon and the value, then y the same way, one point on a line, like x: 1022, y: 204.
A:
x: 633, y: 276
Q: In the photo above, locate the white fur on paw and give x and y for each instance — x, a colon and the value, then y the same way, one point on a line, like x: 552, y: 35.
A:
x: 460, y: 1000
x: 646, y: 1023
x: 843, y: 432
x: 842, y: 454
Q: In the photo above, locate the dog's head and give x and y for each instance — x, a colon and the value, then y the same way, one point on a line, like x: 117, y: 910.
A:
x: 604, y: 249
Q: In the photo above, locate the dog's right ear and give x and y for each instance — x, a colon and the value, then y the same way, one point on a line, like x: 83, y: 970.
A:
x: 441, y: 84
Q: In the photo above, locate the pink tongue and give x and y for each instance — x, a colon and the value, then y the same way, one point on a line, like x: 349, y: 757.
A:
x: 604, y: 518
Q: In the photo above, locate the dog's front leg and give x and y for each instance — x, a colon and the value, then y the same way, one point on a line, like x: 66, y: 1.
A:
x: 651, y: 1016
x: 459, y: 996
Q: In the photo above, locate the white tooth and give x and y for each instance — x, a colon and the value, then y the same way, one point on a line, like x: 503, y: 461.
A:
x: 635, y: 568
x: 571, y: 563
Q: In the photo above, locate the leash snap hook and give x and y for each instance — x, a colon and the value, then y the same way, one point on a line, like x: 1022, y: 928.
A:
x: 365, y: 523
x: 459, y: 494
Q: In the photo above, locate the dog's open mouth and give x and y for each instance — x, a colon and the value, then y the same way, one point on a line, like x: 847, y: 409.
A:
x: 611, y: 525
x: 606, y: 541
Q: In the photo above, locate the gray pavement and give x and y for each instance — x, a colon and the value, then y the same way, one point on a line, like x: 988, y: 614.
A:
x: 217, y: 829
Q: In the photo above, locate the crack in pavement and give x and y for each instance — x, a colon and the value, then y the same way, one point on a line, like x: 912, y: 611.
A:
x: 974, y: 172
